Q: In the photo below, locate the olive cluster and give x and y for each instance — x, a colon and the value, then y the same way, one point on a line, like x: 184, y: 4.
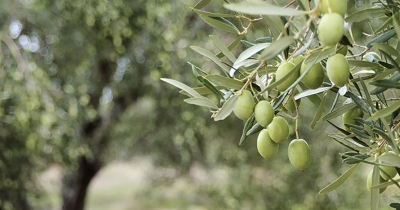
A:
x: 275, y: 130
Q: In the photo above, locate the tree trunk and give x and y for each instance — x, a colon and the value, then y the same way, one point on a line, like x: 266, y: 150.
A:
x: 76, y: 183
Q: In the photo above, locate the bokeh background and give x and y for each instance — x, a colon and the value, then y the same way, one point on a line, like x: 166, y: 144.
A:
x: 85, y: 117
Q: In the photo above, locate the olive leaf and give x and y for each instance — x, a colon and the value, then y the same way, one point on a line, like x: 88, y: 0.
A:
x: 262, y: 8
x: 210, y: 56
x: 201, y: 101
x: 386, y: 111
x: 220, y: 23
x: 339, y: 181
x: 226, y: 109
x: 224, y: 49
x: 182, y: 86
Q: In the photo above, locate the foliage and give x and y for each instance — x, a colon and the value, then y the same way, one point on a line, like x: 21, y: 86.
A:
x: 275, y: 34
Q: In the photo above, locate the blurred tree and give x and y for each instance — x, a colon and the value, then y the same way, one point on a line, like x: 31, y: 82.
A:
x: 89, y: 61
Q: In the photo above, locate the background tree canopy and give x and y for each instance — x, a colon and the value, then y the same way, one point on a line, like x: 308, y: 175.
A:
x: 80, y: 88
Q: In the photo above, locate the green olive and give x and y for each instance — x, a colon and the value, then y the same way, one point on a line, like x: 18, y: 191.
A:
x: 244, y: 105
x: 369, y: 182
x: 348, y: 117
x: 299, y: 154
x: 333, y: 6
x: 297, y: 60
x: 289, y: 102
x: 264, y: 113
x: 314, y: 78
x: 265, y: 146
x: 387, y: 172
x: 284, y: 69
x: 330, y: 29
x: 278, y: 129
x: 338, y: 69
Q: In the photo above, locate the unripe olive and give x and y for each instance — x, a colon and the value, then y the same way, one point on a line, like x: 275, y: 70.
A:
x: 369, y: 182
x: 333, y: 6
x: 297, y: 60
x: 289, y: 103
x: 284, y: 69
x: 265, y: 146
x: 264, y: 113
x: 338, y: 69
x: 278, y: 129
x: 330, y: 29
x: 244, y: 105
x: 314, y: 78
x: 387, y: 172
x: 299, y: 154
x: 348, y: 117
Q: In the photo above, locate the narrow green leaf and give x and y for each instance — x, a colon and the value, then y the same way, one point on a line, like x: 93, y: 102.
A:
x: 386, y: 83
x: 212, y: 14
x: 255, y: 129
x: 365, y: 64
x: 182, y: 86
x: 210, y: 56
x: 220, y: 23
x: 387, y: 48
x: 394, y: 77
x: 339, y: 111
x: 390, y: 159
x: 396, y: 27
x: 250, y: 52
x: 226, y: 109
x: 319, y: 112
x: 233, y: 44
x: 310, y: 92
x: 339, y: 181
x: 262, y: 8
x: 386, y: 111
x: 225, y: 81
x: 201, y: 4
x: 277, y: 47
x: 201, y: 101
x: 318, y: 55
x: 247, y: 126
x: 375, y: 192
x: 224, y: 49
x: 213, y: 89
x: 382, y: 38
x: 202, y: 90
x: 365, y: 14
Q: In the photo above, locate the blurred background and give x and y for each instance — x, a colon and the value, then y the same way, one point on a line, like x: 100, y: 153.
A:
x: 85, y: 117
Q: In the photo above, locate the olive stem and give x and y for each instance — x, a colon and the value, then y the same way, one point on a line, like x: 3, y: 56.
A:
x: 251, y: 76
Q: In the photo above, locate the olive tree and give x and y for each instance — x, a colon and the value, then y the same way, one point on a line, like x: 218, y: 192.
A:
x: 347, y: 51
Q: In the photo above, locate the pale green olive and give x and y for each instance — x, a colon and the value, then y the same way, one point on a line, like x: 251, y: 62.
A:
x: 330, y: 29
x: 265, y: 146
x: 333, y: 6
x: 244, y: 105
x: 284, y: 69
x: 348, y: 117
x: 299, y: 154
x: 314, y: 77
x: 338, y: 70
x: 264, y: 113
x: 278, y: 129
